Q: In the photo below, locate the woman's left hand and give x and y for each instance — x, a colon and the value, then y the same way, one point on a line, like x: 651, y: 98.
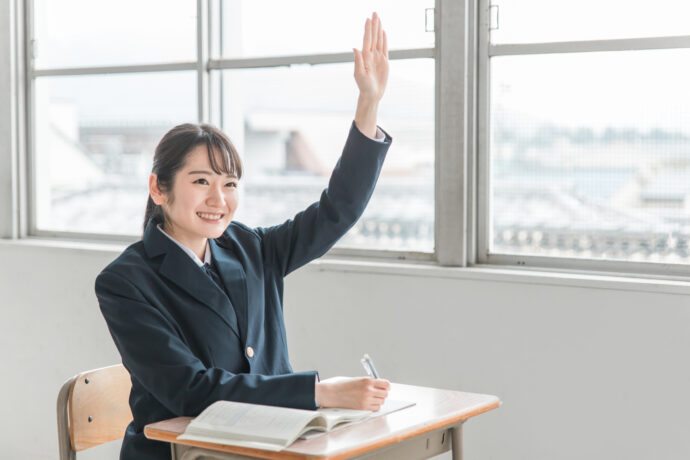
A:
x: 371, y: 63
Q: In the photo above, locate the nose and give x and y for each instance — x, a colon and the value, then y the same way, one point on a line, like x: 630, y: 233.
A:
x: 215, y: 197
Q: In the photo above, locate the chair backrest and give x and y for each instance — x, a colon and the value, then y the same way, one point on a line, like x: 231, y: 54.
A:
x: 92, y: 409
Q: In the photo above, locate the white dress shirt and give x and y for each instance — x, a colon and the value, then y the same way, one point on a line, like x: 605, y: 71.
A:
x: 189, y: 252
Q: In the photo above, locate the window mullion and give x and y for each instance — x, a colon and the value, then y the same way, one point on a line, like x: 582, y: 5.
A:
x: 482, y: 223
x: 470, y: 212
x: 202, y: 46
x: 311, y: 59
x: 109, y: 70
x: 452, y: 123
x: 8, y: 143
x: 29, y: 218
x: 589, y: 46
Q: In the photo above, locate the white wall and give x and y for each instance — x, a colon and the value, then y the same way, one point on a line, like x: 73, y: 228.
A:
x: 582, y: 372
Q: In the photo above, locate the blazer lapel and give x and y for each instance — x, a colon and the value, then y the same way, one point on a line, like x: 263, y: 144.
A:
x: 233, y: 275
x: 181, y: 270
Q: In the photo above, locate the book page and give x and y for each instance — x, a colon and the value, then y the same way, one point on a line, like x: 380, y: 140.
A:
x: 335, y: 416
x: 234, y: 420
x: 340, y: 418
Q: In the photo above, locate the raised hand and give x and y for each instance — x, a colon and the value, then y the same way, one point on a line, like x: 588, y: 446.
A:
x: 371, y: 64
x: 371, y: 74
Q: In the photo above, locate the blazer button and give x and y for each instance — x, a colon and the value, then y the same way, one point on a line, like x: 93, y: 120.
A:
x: 250, y: 352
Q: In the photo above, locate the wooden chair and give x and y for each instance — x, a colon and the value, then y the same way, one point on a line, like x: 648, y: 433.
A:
x: 92, y: 409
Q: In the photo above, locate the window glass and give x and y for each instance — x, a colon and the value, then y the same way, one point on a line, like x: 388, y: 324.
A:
x: 531, y: 21
x: 254, y: 28
x: 290, y: 125
x: 94, y: 143
x: 87, y: 33
x: 590, y: 155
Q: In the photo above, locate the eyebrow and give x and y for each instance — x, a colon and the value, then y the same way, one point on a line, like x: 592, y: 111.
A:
x: 209, y: 173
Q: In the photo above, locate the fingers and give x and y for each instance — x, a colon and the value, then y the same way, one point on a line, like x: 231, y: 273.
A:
x: 376, y: 388
x: 381, y: 383
x: 359, y: 62
x: 375, y: 27
x: 374, y: 36
x: 373, y: 403
x: 376, y: 401
x: 379, y: 394
x: 379, y: 41
x: 366, y: 43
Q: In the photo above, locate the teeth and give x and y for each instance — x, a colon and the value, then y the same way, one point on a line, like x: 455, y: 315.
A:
x: 209, y: 216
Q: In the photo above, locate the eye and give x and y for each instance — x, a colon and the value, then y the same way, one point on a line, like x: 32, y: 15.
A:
x: 231, y: 184
x: 201, y: 181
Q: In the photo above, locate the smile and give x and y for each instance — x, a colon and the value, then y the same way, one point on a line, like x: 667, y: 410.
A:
x: 207, y: 216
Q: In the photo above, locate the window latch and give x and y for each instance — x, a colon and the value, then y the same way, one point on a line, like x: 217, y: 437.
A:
x: 428, y: 19
x: 493, y: 17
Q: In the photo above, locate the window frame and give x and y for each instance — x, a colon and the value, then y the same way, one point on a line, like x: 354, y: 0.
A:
x: 12, y: 135
x: 483, y: 224
x: 208, y: 38
x: 462, y: 61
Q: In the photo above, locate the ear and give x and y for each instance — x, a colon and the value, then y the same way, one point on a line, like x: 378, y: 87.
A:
x: 157, y: 196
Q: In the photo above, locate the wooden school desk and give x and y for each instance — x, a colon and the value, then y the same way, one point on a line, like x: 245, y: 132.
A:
x: 431, y: 427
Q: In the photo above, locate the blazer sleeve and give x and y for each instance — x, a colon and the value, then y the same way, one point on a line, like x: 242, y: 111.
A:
x: 312, y: 232
x: 157, y: 356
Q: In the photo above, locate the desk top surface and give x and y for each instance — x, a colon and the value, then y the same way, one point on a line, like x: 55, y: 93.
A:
x: 434, y: 409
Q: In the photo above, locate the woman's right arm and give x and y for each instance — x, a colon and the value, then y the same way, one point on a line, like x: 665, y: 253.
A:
x: 156, y: 355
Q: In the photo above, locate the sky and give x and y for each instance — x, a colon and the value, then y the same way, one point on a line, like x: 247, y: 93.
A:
x: 529, y: 21
x: 78, y: 33
x: 640, y: 89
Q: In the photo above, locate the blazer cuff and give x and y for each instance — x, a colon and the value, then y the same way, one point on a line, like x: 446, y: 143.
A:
x: 316, y: 380
x: 308, y: 395
x: 382, y: 136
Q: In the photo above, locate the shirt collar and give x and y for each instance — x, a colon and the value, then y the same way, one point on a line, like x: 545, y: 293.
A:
x: 189, y: 252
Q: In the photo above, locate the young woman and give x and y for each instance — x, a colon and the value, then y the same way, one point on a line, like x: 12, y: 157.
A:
x: 195, y: 308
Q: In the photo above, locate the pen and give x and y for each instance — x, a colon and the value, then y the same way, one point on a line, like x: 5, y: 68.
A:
x: 368, y: 365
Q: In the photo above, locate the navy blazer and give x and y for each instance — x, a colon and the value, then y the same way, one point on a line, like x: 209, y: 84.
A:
x: 185, y: 342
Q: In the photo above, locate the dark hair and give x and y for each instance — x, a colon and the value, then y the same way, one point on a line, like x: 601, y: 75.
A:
x: 172, y: 152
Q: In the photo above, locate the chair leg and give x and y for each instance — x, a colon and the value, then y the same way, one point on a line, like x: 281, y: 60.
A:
x: 64, y: 441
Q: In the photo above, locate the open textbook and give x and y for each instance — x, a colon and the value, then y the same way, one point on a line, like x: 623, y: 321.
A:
x: 270, y: 427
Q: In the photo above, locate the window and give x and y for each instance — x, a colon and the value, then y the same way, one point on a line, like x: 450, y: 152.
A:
x: 288, y: 111
x: 584, y: 156
x: 525, y: 133
x: 105, y: 85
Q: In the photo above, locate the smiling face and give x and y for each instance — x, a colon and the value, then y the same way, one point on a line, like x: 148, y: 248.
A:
x: 201, y: 203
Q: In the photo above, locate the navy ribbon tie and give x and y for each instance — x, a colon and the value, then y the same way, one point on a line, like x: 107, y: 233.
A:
x: 210, y: 270
x: 213, y: 274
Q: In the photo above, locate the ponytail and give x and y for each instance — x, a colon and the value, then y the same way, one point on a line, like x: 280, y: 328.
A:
x: 154, y: 214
